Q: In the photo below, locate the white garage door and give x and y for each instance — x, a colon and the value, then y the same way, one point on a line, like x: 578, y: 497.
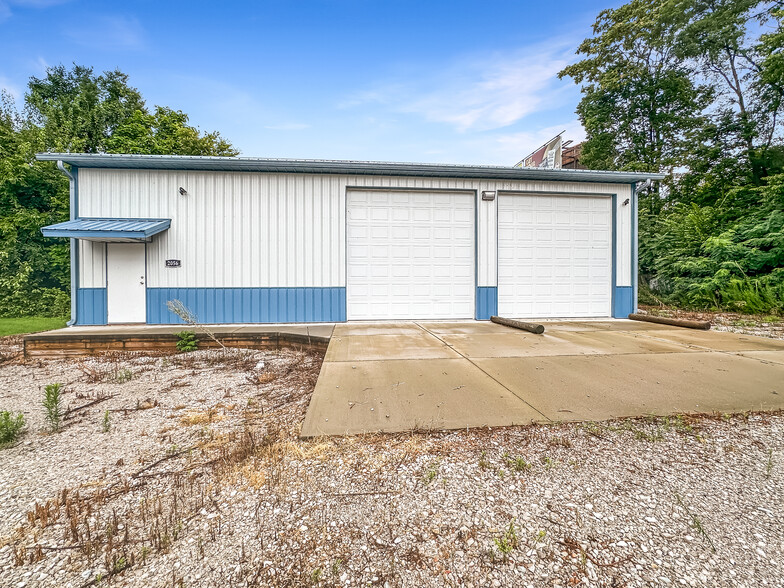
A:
x: 410, y: 255
x: 554, y: 256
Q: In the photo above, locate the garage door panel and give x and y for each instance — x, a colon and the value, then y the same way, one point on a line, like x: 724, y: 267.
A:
x: 554, y: 256
x: 422, y: 262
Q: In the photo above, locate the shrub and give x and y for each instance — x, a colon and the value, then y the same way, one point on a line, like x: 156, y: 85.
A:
x: 53, y: 405
x: 10, y: 426
x: 186, y: 341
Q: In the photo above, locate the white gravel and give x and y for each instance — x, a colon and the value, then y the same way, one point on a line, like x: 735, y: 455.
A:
x: 693, y: 502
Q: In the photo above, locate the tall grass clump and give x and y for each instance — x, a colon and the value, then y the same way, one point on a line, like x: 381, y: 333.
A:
x: 53, y: 405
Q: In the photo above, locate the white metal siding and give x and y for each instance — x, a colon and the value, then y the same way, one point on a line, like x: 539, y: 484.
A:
x: 232, y: 229
x: 279, y: 230
x: 92, y: 264
x: 410, y: 255
x: 554, y: 256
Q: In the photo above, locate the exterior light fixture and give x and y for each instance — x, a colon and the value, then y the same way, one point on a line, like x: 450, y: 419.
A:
x: 488, y: 195
x: 626, y: 202
x: 183, y: 191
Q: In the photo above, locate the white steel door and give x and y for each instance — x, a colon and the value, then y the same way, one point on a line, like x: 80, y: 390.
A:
x: 554, y: 256
x: 125, y: 281
x: 410, y: 255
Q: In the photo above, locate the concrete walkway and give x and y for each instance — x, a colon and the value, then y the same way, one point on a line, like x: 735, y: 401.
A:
x: 437, y: 375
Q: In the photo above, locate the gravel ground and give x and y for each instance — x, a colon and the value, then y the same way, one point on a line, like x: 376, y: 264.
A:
x: 747, y: 324
x: 201, y: 480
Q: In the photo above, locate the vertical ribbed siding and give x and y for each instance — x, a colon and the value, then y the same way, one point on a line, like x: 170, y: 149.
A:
x: 92, y: 264
x: 232, y: 230
x: 244, y: 229
x: 486, y: 303
x: 624, y: 230
x: 91, y: 306
x: 249, y: 305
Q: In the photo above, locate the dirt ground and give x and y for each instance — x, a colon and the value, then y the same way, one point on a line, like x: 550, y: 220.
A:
x: 197, y: 477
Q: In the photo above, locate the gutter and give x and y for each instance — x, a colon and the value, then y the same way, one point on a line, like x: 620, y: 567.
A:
x: 74, y: 206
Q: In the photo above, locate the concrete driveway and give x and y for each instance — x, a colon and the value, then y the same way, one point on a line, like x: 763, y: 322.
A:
x: 450, y: 375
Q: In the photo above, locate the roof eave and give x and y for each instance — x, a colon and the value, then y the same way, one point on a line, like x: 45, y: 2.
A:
x: 246, y: 164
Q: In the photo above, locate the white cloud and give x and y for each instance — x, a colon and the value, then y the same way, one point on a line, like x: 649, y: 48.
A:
x: 477, y: 94
x: 109, y: 32
x: 6, y: 5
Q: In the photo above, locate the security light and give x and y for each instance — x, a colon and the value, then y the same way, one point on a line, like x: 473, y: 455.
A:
x: 183, y: 191
x: 625, y: 202
x: 488, y: 195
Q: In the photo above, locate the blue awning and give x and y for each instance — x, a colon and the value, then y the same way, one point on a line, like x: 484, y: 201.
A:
x: 108, y: 229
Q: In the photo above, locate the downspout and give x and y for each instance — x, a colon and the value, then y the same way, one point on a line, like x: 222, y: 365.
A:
x: 635, y: 238
x: 635, y: 250
x: 73, y: 213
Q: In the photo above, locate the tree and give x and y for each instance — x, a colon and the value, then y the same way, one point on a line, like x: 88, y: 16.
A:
x: 715, y: 37
x: 640, y: 101
x: 695, y: 88
x: 69, y: 110
x: 165, y: 132
x: 78, y: 111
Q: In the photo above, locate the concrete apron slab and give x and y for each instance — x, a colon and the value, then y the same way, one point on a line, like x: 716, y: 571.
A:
x: 404, y: 395
x: 603, y: 387
x: 453, y: 375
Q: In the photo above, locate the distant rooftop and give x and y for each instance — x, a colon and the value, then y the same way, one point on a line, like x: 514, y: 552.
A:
x: 326, y: 166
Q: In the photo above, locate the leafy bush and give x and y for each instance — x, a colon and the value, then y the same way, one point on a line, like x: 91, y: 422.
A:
x: 718, y: 258
x: 10, y: 426
x: 186, y: 341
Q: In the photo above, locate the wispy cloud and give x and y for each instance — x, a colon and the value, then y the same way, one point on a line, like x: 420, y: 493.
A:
x: 12, y: 89
x: 480, y: 93
x: 521, y: 144
x: 7, y: 6
x: 109, y: 32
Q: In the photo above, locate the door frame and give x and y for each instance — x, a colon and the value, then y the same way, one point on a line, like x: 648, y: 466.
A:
x: 467, y: 191
x: 613, y: 230
x: 108, y: 286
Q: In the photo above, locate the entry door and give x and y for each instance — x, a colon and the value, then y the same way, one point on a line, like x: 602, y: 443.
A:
x: 126, y: 279
x: 410, y: 255
x: 554, y: 256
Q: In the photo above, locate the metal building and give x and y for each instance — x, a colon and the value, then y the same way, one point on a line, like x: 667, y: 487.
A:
x: 247, y: 240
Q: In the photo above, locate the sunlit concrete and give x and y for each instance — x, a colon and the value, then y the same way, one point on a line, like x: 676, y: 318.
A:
x: 447, y: 375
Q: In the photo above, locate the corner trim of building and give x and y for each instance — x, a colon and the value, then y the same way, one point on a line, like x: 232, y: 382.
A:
x: 73, y: 189
x: 635, y: 252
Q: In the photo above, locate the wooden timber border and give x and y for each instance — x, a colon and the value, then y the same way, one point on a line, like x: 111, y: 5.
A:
x: 54, y: 345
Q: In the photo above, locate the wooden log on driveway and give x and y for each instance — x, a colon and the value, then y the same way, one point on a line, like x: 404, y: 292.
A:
x: 530, y: 327
x: 675, y: 322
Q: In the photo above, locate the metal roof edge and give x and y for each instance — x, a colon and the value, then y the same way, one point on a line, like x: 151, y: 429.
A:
x: 74, y: 227
x: 343, y: 167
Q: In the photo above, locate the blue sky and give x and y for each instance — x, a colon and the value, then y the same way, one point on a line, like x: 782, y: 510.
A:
x: 452, y: 82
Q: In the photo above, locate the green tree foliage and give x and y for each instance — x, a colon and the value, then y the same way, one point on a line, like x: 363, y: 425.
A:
x: 69, y: 110
x: 695, y: 89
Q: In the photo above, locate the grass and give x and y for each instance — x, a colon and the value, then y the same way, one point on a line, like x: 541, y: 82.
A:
x: 507, y: 542
x: 29, y: 324
x: 696, y: 522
